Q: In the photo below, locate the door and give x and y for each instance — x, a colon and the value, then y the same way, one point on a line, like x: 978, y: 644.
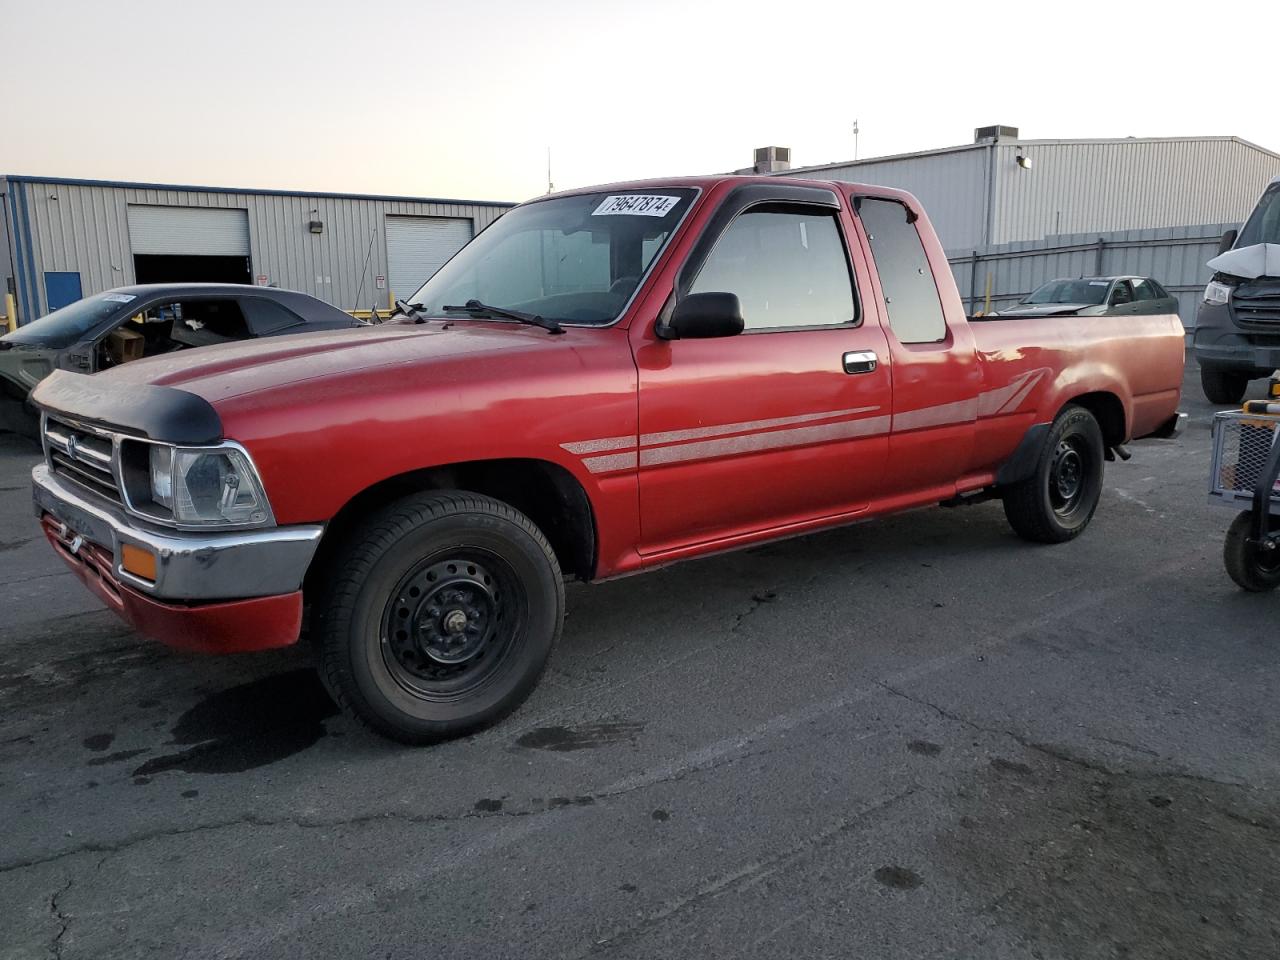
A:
x: 1150, y: 298
x: 189, y: 244
x: 784, y: 423
x: 61, y: 289
x: 936, y: 374
x: 419, y: 246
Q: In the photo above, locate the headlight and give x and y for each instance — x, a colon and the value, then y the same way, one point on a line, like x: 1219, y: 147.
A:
x: 1217, y: 292
x: 213, y: 486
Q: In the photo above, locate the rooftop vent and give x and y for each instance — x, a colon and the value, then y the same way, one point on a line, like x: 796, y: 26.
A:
x: 772, y: 159
x: 994, y: 134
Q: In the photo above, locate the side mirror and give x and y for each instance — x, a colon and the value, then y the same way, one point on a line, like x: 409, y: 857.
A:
x: 700, y: 316
x: 1228, y: 241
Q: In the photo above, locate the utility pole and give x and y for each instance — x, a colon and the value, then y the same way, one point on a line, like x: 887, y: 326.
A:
x: 551, y: 187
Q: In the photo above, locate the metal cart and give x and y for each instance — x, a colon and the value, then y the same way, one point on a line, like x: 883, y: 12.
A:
x: 1246, y: 477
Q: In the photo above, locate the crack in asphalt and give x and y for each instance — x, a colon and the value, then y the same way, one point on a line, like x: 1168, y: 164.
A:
x: 56, y: 946
x: 746, y: 876
x: 1061, y: 753
x: 386, y: 816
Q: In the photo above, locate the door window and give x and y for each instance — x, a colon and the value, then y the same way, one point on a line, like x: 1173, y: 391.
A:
x: 1143, y: 290
x: 910, y: 293
x: 1121, y: 293
x: 788, y: 268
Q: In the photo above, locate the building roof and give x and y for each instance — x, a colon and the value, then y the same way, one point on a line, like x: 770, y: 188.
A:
x: 127, y: 185
x: 1022, y: 143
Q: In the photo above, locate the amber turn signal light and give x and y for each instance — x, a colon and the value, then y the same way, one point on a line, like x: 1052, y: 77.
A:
x: 137, y: 561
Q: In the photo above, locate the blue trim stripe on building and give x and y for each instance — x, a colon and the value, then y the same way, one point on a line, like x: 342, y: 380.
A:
x: 73, y: 182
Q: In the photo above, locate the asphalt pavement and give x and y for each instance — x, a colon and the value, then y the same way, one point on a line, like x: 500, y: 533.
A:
x: 914, y: 738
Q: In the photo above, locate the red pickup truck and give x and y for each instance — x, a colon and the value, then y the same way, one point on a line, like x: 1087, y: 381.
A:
x: 602, y: 382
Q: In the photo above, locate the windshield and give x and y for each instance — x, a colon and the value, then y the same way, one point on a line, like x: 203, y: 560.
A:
x: 1070, y: 291
x: 1263, y: 225
x: 64, y: 327
x: 573, y: 259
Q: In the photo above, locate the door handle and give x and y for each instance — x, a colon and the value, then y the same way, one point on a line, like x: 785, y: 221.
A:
x: 860, y: 361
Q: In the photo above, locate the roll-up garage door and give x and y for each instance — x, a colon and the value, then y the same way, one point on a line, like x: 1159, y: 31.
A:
x: 419, y: 246
x: 188, y: 231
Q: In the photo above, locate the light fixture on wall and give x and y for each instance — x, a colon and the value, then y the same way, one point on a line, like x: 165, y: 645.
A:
x: 1024, y: 161
x: 316, y: 225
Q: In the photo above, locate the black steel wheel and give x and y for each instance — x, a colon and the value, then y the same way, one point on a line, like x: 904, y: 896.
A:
x: 1250, y: 565
x: 439, y: 616
x: 443, y: 630
x: 1068, y: 476
x: 1058, y: 500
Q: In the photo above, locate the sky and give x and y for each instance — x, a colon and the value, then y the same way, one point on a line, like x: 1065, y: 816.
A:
x: 464, y: 99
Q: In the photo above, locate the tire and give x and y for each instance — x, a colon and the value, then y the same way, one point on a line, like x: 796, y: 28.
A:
x: 20, y: 417
x: 1251, y: 568
x: 439, y: 616
x: 1223, y: 386
x: 1058, y: 500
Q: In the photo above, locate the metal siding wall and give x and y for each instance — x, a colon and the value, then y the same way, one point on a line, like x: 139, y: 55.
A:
x: 86, y: 230
x: 1084, y: 186
x: 80, y: 229
x: 1175, y: 256
x: 951, y: 186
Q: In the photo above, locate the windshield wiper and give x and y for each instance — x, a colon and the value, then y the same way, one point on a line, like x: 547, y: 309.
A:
x: 477, y: 309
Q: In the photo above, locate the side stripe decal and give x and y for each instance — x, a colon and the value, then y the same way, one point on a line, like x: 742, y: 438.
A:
x: 797, y: 436
x: 672, y: 436
x: 611, y: 454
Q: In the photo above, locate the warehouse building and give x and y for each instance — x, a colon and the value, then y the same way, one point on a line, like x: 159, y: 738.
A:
x: 63, y: 239
x: 1013, y: 213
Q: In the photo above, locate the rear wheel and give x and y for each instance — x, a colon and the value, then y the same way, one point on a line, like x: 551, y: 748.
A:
x: 1250, y: 566
x: 1057, y: 501
x: 440, y: 616
x: 1223, y: 386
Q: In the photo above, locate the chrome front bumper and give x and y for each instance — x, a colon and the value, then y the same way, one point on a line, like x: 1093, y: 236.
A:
x: 189, y: 566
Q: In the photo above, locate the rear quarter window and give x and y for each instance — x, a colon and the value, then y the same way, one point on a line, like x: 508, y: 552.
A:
x: 266, y: 317
x: 910, y: 293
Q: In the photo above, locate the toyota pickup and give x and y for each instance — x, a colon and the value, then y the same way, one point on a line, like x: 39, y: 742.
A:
x: 602, y: 382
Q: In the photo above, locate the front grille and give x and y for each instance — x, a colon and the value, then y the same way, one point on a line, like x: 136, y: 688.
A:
x: 1257, y: 302
x: 83, y: 457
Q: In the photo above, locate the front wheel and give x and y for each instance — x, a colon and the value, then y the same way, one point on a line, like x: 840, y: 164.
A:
x: 439, y: 616
x: 1223, y: 386
x: 1252, y: 568
x: 1057, y: 501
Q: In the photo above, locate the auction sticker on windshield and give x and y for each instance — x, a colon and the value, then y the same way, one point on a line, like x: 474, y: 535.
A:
x: 635, y: 205
x: 119, y: 298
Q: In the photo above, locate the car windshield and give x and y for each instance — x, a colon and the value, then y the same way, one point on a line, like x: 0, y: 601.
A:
x: 1070, y: 291
x: 64, y: 327
x: 574, y: 259
x: 1263, y: 225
